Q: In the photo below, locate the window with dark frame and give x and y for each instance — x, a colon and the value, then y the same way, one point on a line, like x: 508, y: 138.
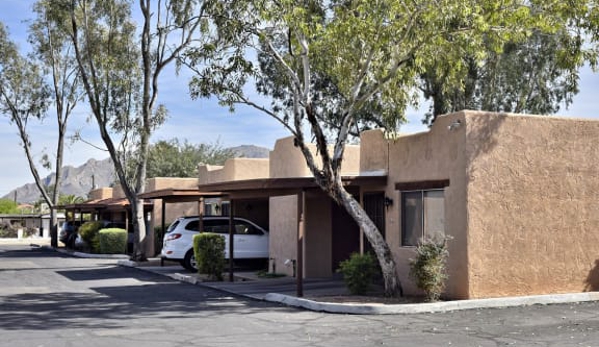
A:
x: 422, y: 215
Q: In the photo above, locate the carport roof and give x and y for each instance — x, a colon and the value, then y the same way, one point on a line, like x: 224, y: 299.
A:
x: 99, y: 204
x: 178, y: 195
x: 255, y: 188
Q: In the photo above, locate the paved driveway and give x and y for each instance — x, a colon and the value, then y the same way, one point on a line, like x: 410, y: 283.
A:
x: 49, y: 299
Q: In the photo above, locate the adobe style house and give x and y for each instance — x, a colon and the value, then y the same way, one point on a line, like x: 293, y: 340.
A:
x: 517, y: 194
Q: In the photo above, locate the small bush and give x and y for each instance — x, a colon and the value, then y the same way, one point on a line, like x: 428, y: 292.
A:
x: 209, y: 251
x: 112, y: 241
x: 89, y: 233
x: 359, y: 271
x: 428, y: 268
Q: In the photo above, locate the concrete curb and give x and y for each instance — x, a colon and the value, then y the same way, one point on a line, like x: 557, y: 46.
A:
x: 435, y: 307
x: 176, y: 276
x: 24, y: 242
x: 88, y: 255
x: 389, y: 309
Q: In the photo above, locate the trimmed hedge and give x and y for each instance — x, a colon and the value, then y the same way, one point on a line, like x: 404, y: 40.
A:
x: 209, y: 251
x: 89, y: 233
x: 113, y: 241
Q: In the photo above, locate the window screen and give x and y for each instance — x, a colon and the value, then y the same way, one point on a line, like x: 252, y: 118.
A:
x: 423, y: 215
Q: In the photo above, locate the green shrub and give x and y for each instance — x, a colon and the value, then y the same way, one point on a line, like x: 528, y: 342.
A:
x: 209, y: 251
x: 89, y: 233
x: 428, y: 268
x: 359, y: 271
x: 112, y: 241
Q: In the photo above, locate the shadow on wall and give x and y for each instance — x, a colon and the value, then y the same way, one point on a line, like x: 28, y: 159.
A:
x: 486, y: 136
x: 592, y: 281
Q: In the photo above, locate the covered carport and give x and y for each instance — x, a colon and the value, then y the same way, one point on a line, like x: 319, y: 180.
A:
x: 111, y: 209
x: 294, y: 186
x: 173, y: 196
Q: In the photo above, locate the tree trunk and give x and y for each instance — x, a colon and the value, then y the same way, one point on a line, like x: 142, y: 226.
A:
x: 53, y: 227
x: 393, y: 286
x: 139, y: 231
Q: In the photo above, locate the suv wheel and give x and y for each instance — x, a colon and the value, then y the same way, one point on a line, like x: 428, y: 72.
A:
x: 189, y: 262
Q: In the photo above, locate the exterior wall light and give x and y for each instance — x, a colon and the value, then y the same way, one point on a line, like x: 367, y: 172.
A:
x: 388, y: 202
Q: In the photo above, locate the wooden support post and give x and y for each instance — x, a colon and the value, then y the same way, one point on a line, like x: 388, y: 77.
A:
x: 361, y: 229
x: 231, y: 233
x: 301, y: 230
x: 201, y: 215
x: 162, y: 228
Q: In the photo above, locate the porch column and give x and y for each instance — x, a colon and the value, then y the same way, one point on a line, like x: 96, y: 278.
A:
x: 163, y: 219
x: 201, y: 214
x: 301, y: 231
x: 162, y: 229
x: 231, y: 246
x: 361, y: 229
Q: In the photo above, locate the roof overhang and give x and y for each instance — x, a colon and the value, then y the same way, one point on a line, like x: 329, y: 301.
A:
x: 103, y: 204
x: 265, y: 187
x: 178, y: 195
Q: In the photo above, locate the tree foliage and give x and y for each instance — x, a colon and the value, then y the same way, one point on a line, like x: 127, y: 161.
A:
x: 372, y: 52
x: 537, y: 76
x: 120, y: 65
x: 175, y: 159
x: 8, y: 206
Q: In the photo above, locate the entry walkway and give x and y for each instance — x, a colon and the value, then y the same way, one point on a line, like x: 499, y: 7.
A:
x: 248, y: 284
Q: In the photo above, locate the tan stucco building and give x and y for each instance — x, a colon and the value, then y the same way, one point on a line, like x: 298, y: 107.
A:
x: 517, y: 194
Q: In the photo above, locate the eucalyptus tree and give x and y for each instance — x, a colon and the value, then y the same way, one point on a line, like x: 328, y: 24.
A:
x: 373, y: 51
x: 24, y: 95
x: 120, y: 65
x: 537, y: 75
x: 52, y: 50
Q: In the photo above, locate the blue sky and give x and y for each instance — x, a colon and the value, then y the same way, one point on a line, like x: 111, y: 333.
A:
x: 194, y: 120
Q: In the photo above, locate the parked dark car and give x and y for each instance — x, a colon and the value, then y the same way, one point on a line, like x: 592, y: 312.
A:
x: 70, y: 237
x: 68, y: 232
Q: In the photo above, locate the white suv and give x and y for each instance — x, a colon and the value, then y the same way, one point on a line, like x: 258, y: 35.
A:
x: 249, y: 241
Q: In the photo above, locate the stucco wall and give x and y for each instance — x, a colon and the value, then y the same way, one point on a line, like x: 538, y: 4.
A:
x: 158, y: 183
x: 374, y: 152
x: 234, y: 169
x: 286, y: 160
x: 434, y: 155
x: 283, y: 232
x: 100, y: 194
x: 533, y: 211
x: 173, y: 210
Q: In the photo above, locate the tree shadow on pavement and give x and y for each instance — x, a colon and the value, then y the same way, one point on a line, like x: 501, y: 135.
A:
x: 106, y: 297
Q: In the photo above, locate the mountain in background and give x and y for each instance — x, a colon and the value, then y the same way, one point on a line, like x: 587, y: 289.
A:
x: 79, y: 181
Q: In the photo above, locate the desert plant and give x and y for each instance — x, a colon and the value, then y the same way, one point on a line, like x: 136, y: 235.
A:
x: 89, y: 233
x: 428, y: 268
x: 112, y: 241
x: 209, y: 251
x: 358, y: 272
